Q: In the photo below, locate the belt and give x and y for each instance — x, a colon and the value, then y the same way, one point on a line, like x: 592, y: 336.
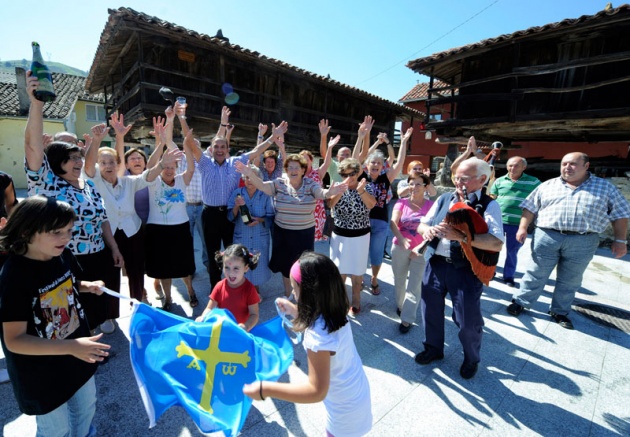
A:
x: 442, y: 258
x: 568, y: 232
x: 218, y: 208
x: 194, y: 203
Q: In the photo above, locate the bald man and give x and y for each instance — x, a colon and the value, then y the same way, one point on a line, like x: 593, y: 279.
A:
x: 510, y: 191
x: 573, y: 210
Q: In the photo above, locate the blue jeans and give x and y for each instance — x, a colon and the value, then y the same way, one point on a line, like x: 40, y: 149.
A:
x: 570, y: 253
x: 194, y: 219
x: 74, y: 418
x: 390, y: 234
x: 378, y: 236
x: 512, y: 247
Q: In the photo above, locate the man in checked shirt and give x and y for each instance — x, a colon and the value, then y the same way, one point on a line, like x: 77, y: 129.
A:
x: 573, y: 210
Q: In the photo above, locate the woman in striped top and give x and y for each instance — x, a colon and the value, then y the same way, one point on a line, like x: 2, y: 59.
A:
x: 294, y: 224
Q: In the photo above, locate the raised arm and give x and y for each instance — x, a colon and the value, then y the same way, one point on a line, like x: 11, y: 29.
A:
x: 34, y: 133
x: 189, y: 147
x: 324, y: 130
x: 180, y: 111
x: 390, y: 154
x: 158, y: 128
x: 91, y: 155
x: 265, y: 187
x: 394, y: 171
x: 364, y: 129
x: 169, y: 112
x: 328, y: 158
x: 262, y: 129
x: 225, y: 121
x: 366, y: 139
x: 117, y: 122
x: 471, y: 149
x: 276, y: 131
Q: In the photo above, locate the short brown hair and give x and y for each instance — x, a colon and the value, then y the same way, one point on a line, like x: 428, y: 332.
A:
x: 296, y: 158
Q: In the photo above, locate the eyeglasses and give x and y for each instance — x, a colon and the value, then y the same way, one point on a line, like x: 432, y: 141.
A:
x: 417, y: 184
x: 289, y: 168
x: 464, y: 179
x: 348, y: 175
x: 75, y: 158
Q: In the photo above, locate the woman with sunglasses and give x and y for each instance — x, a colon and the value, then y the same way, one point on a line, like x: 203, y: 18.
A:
x: 406, y: 261
x: 56, y: 171
x: 350, y: 239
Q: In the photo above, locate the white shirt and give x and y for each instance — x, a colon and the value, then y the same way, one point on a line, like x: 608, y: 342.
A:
x: 348, y: 404
x: 167, y: 205
x: 119, y: 200
x: 492, y: 216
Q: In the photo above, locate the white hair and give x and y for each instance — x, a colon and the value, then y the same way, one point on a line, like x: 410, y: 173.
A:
x: 481, y: 166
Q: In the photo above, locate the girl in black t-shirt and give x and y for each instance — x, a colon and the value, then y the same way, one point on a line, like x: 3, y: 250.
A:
x: 43, y: 325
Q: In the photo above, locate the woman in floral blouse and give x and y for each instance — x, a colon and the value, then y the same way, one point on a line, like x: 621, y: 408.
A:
x: 169, y: 243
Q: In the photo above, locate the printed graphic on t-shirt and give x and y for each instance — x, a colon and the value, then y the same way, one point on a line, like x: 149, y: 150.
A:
x: 59, y: 310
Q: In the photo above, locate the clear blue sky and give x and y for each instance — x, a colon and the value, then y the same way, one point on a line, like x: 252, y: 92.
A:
x: 364, y: 44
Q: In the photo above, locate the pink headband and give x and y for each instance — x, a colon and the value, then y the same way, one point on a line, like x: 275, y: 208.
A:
x: 296, y: 274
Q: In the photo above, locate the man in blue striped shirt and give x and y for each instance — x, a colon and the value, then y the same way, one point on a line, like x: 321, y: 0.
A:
x: 218, y: 179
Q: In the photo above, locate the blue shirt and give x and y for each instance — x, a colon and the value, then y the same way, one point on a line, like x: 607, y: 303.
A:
x: 219, y: 180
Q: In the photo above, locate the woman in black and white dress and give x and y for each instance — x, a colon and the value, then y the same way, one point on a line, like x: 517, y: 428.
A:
x: 350, y: 240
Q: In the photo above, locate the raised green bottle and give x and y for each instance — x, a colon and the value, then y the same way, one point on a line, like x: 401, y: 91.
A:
x: 45, y: 91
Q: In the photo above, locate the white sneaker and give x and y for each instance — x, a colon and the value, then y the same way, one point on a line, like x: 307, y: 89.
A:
x: 108, y: 327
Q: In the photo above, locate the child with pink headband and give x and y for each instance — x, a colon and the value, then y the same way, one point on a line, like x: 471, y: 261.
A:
x: 336, y: 374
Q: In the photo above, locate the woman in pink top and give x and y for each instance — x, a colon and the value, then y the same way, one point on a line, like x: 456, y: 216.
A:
x: 405, y: 258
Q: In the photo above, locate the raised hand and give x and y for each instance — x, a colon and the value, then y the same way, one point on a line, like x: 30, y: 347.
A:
x: 180, y: 109
x: 366, y: 126
x: 47, y: 139
x: 333, y: 141
x: 170, y: 113
x: 243, y: 169
x: 361, y: 185
x: 407, y: 135
x: 382, y: 138
x: 262, y: 129
x: 157, y: 123
x: 99, y: 132
x: 280, y: 130
x: 225, y: 115
x: 338, y: 189
x: 171, y: 156
x: 117, y: 122
x: 471, y: 147
x: 324, y: 128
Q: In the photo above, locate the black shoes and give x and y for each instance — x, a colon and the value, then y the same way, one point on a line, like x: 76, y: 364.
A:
x: 387, y: 255
x: 510, y: 282
x: 404, y: 328
x: 514, y: 308
x: 468, y: 370
x: 561, y: 320
x: 427, y: 356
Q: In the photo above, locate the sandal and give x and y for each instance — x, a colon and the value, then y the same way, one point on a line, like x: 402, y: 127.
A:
x: 194, y: 301
x: 376, y: 289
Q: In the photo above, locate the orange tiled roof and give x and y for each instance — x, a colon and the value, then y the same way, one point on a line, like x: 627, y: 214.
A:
x: 421, y: 91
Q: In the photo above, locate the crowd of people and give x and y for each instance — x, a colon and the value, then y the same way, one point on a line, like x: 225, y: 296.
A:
x: 93, y: 211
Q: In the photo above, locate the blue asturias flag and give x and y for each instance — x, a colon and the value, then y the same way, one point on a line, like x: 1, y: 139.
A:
x: 203, y: 366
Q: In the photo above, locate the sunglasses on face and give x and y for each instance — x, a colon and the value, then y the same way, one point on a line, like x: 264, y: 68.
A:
x: 348, y: 175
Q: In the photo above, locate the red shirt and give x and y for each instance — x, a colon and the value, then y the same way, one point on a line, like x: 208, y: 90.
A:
x: 237, y: 300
